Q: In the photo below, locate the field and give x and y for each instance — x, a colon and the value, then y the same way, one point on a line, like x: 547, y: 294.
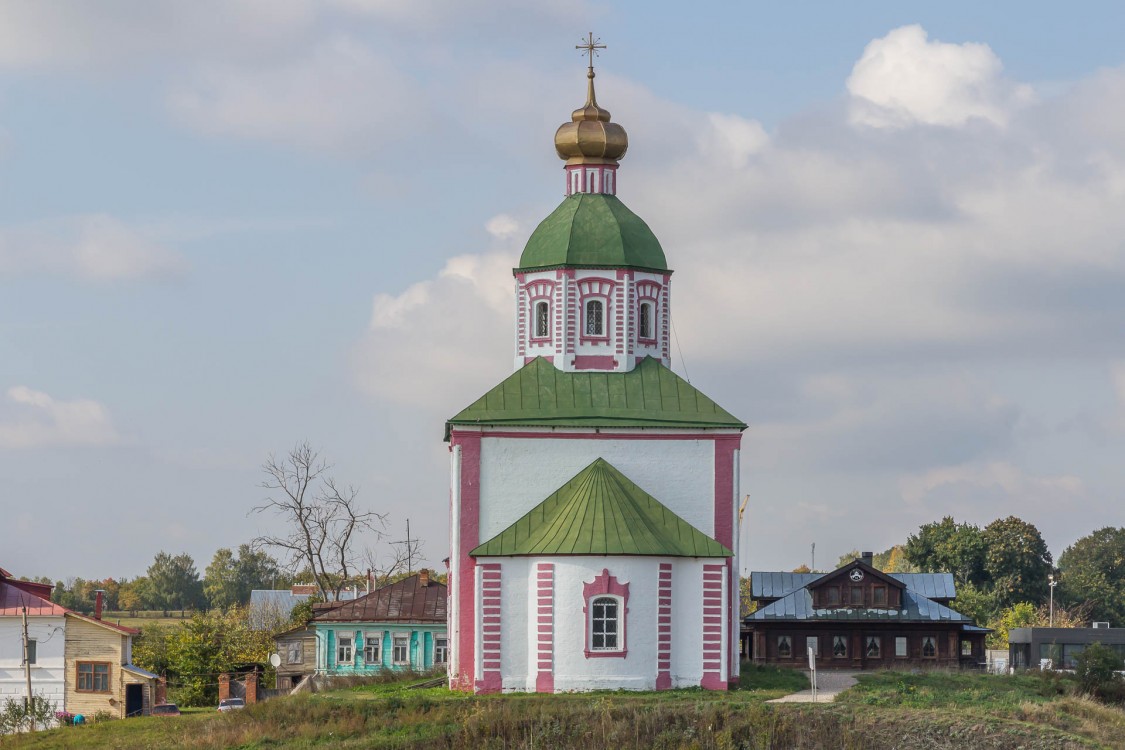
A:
x: 886, y: 710
x: 140, y: 618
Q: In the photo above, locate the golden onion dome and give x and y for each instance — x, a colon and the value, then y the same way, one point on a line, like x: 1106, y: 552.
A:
x: 590, y: 137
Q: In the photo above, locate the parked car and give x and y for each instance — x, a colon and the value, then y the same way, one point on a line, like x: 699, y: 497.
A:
x: 231, y: 704
x: 166, y: 709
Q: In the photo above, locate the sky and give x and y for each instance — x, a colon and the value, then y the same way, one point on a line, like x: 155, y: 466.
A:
x: 228, y: 227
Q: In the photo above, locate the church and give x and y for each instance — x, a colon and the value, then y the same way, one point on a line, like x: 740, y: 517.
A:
x: 593, y: 501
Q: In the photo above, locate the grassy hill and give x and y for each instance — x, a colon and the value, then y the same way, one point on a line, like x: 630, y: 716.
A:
x: 886, y: 710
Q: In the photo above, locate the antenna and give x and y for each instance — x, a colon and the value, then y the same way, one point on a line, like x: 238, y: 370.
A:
x: 813, y: 566
x: 411, y: 549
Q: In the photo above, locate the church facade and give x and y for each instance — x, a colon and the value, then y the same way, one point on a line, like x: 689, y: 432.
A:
x: 593, y: 491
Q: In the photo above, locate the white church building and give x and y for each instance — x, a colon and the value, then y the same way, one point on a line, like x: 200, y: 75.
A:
x: 593, y: 491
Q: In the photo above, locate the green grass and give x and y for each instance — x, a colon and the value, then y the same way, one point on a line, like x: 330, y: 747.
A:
x: 887, y: 710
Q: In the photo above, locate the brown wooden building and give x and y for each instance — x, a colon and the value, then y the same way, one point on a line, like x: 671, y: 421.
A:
x: 857, y: 617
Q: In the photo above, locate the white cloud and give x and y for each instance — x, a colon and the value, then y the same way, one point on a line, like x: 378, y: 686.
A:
x: 35, y: 419
x: 502, y: 227
x: 903, y: 78
x: 93, y: 247
x: 1008, y: 487
x: 732, y: 138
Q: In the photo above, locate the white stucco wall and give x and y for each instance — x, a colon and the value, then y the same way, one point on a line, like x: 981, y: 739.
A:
x: 572, y: 669
x: 519, y: 473
x: 49, y: 671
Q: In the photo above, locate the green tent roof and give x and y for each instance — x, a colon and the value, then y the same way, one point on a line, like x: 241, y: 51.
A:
x: 593, y: 230
x: 649, y: 395
x: 600, y: 512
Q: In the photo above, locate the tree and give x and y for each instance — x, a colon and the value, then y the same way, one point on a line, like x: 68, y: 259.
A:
x: 230, y: 578
x: 129, y: 595
x: 1093, y: 570
x: 1096, y: 668
x: 325, y: 521
x: 979, y: 604
x: 1016, y: 561
x: 949, y: 547
x: 172, y: 583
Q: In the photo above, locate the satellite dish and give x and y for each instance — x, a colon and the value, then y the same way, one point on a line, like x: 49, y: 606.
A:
x: 275, y: 659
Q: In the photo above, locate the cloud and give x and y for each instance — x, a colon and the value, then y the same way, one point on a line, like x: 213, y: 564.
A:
x: 1001, y: 487
x: 904, y: 79
x: 93, y: 247
x: 34, y: 419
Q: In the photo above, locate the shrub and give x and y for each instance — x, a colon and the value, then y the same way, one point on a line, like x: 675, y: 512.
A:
x: 1096, y: 669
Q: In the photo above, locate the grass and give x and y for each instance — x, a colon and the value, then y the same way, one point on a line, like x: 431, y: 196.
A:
x: 140, y: 618
x: 886, y: 710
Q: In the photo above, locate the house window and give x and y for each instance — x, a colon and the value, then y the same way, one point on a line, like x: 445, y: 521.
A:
x: 604, y: 621
x: 344, y: 649
x: 784, y: 646
x: 833, y: 595
x: 879, y: 596
x: 441, y: 650
x: 900, y: 647
x: 839, y: 646
x: 966, y: 648
x: 32, y: 650
x: 814, y: 643
x: 402, y: 649
x: 373, y: 648
x: 644, y: 321
x: 294, y: 653
x: 857, y: 595
x: 93, y: 677
x: 542, y: 320
x: 874, y: 647
x: 595, y: 318
x: 929, y: 647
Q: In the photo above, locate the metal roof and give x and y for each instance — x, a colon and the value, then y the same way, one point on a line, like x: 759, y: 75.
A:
x: 774, y: 585
x: 13, y: 600
x: 593, y: 230
x: 798, y: 605
x: 649, y: 395
x: 601, y: 512
x: 405, y: 601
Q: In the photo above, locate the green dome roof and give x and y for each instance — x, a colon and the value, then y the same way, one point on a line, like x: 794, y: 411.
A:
x: 593, y: 230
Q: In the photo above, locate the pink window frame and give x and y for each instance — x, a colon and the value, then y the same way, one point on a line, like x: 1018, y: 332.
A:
x: 531, y: 329
x: 606, y: 585
x: 584, y: 337
x: 649, y: 292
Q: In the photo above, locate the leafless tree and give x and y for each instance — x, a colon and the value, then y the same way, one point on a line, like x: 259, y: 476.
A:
x: 325, y: 520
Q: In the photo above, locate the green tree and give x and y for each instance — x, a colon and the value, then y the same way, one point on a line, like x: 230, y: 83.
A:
x: 172, y: 583
x: 1096, y: 668
x: 1022, y: 615
x: 1093, y: 570
x: 979, y: 604
x: 230, y: 578
x: 949, y: 547
x: 1016, y: 561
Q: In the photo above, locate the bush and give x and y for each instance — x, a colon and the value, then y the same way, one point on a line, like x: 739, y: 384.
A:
x: 1097, y: 671
x: 18, y: 715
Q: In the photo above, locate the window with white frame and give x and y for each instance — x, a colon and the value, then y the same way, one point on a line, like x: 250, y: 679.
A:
x: 401, y: 648
x: 575, y: 181
x: 900, y: 647
x: 784, y: 646
x: 644, y: 321
x: 595, y: 317
x: 605, y: 619
x: 591, y: 180
x: 441, y: 650
x: 345, y: 648
x: 542, y: 320
x: 373, y: 648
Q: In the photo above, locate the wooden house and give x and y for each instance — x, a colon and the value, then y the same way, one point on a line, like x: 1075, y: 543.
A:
x: 297, y: 649
x: 100, y: 675
x: 397, y: 627
x: 857, y: 617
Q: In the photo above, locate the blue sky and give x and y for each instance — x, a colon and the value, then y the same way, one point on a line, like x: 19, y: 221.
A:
x: 226, y: 227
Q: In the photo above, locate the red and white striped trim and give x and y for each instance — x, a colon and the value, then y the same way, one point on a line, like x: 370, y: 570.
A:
x: 713, y: 627
x: 664, y: 628
x: 545, y: 619
x: 490, y: 628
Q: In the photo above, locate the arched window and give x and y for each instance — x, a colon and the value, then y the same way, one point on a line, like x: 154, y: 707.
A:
x: 542, y: 320
x: 604, y: 620
x: 595, y: 318
x: 644, y: 321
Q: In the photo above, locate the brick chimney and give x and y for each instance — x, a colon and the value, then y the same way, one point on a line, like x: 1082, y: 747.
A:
x: 98, y: 599
x: 866, y: 557
x: 424, y: 577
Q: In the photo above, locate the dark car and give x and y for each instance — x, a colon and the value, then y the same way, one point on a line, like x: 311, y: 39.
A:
x: 166, y: 709
x: 231, y: 704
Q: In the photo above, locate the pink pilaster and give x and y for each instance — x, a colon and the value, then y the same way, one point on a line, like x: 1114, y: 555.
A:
x: 490, y: 629
x: 664, y: 628
x: 545, y: 625
x: 464, y: 578
x: 713, y: 613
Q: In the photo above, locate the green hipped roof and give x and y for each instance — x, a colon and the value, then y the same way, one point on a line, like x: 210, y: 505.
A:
x: 600, y: 512
x: 649, y: 395
x: 593, y: 230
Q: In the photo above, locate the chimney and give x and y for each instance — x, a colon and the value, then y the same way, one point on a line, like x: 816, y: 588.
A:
x: 424, y: 577
x: 370, y: 580
x: 98, y: 604
x: 866, y: 557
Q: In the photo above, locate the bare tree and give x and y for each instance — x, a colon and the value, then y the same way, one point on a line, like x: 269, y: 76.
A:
x: 324, y: 519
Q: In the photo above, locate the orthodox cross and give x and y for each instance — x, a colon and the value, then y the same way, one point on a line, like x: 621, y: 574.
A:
x: 590, y: 47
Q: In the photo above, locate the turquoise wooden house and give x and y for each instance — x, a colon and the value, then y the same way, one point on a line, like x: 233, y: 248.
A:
x: 398, y: 627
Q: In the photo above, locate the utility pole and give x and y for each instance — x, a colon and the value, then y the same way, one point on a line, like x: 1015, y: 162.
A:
x: 813, y: 560
x: 27, y: 659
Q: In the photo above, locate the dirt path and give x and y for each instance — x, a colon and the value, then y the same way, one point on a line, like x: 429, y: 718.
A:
x: 829, y: 684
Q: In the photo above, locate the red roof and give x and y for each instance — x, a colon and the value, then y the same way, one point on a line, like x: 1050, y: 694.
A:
x: 13, y: 600
x: 405, y: 601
